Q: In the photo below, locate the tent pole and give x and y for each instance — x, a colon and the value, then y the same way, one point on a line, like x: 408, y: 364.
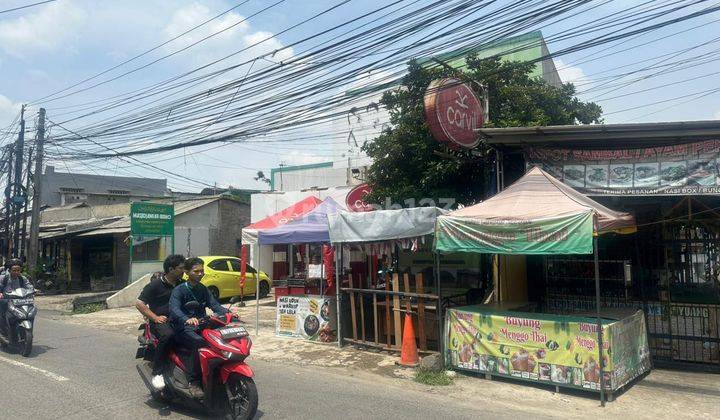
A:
x: 257, y: 292
x: 599, y: 322
x: 441, y: 337
x: 337, y: 292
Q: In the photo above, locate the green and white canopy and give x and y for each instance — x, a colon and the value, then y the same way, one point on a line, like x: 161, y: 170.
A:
x: 538, y: 214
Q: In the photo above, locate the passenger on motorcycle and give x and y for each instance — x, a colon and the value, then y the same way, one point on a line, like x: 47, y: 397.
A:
x: 153, y: 303
x: 11, y: 280
x: 186, y: 321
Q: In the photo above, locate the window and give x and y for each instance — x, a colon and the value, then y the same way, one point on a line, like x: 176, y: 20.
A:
x: 219, y: 265
x: 71, y: 190
x: 235, y: 264
x: 119, y: 192
x: 146, y: 251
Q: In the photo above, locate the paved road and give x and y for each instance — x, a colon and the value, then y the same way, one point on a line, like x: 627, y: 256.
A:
x: 77, y: 372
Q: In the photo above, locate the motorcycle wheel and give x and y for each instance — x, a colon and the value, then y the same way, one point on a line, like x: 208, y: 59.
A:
x: 242, y: 398
x: 25, y: 340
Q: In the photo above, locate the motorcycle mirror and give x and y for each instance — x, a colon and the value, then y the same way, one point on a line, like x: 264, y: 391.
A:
x: 193, y: 305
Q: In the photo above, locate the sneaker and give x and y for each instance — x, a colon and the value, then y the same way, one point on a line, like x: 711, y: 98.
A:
x: 196, y: 390
x: 158, y: 382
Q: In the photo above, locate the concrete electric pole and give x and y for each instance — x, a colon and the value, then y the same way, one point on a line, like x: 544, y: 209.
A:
x: 37, y: 191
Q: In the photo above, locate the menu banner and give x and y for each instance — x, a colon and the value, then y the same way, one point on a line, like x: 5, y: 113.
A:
x: 558, y: 351
x: 312, y: 318
x: 692, y: 168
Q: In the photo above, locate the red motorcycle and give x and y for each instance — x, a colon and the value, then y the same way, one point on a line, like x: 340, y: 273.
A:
x: 227, y: 381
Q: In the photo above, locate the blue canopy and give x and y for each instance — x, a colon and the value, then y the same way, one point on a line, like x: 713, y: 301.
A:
x: 311, y: 228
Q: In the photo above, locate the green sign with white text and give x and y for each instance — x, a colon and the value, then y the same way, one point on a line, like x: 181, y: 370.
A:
x: 151, y: 219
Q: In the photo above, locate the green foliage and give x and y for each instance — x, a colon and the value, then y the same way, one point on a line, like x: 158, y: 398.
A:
x: 428, y: 377
x: 408, y: 163
x: 88, y: 308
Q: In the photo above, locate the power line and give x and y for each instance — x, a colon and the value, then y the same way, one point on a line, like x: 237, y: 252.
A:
x: 26, y: 6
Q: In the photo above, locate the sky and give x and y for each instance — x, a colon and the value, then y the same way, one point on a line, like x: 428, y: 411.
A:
x: 50, y: 47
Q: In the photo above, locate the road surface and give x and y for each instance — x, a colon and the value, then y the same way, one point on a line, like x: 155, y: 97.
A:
x: 78, y: 372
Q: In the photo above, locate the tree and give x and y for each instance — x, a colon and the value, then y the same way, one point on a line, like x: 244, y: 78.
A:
x: 261, y: 177
x: 408, y: 163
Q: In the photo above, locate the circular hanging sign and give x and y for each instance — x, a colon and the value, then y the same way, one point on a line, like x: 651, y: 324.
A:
x: 355, y: 199
x: 453, y: 112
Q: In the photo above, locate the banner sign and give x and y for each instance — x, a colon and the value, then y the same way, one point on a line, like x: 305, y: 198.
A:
x: 309, y: 317
x: 692, y: 168
x: 563, y: 235
x: 558, y: 350
x: 453, y: 112
x: 151, y: 219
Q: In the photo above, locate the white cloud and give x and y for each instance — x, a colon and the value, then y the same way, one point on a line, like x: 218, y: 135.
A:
x: 53, y: 26
x: 572, y: 74
x: 717, y: 115
x: 8, y: 110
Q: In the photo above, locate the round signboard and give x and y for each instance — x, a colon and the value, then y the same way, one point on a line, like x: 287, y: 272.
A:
x: 355, y: 198
x: 453, y: 112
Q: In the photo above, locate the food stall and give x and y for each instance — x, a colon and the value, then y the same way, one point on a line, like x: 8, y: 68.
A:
x: 375, y: 295
x: 538, y: 215
x: 309, y: 315
x: 250, y: 240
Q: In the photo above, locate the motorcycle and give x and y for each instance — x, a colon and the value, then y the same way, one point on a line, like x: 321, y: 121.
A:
x: 227, y: 381
x: 16, y: 326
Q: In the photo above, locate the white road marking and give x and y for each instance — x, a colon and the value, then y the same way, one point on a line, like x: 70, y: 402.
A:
x: 49, y: 374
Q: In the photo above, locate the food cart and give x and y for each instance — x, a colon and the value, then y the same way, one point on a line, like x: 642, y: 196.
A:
x: 538, y: 215
x: 310, y: 314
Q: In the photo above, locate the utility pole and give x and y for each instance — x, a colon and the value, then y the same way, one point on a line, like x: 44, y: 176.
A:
x: 8, y: 204
x: 23, y: 230
x: 37, y: 191
x: 19, y: 149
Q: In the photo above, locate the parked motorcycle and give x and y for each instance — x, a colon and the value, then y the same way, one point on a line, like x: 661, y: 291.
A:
x: 16, y: 326
x: 227, y: 381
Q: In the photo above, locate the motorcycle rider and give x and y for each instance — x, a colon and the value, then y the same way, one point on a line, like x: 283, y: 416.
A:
x: 186, y: 321
x: 153, y: 303
x: 11, y: 280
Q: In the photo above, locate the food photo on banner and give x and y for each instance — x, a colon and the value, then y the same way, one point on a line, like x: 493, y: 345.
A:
x: 692, y: 168
x: 561, y: 350
x: 312, y: 318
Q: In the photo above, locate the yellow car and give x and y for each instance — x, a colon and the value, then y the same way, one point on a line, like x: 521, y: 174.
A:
x: 222, y: 278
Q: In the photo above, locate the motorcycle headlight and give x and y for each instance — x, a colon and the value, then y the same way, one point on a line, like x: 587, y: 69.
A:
x: 227, y: 354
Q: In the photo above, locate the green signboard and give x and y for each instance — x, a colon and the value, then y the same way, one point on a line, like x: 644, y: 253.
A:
x: 572, y: 234
x: 151, y: 219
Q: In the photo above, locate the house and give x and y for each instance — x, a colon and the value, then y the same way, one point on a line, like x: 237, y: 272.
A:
x: 92, y: 243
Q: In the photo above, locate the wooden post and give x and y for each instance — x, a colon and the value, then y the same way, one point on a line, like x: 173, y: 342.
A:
x: 375, y: 320
x: 353, y: 315
x: 420, y: 288
x: 388, y: 322
x: 362, y: 314
x: 396, y: 312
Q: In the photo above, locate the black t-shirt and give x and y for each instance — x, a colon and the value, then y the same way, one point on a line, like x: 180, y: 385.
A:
x: 156, y: 295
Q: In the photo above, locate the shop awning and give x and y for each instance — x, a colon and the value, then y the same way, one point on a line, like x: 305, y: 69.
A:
x: 250, y: 233
x: 537, y: 214
x: 309, y: 228
x: 382, y: 225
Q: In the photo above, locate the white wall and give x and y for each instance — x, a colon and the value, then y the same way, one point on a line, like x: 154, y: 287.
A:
x: 192, y: 240
x: 263, y: 205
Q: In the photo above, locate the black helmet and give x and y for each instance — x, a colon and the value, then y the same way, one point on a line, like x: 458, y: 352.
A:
x: 13, y: 262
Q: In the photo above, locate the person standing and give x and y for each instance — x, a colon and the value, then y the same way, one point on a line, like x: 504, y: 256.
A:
x: 153, y: 303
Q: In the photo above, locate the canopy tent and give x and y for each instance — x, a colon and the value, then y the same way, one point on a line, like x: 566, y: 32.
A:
x: 382, y: 225
x: 309, y: 228
x: 250, y: 233
x: 537, y: 214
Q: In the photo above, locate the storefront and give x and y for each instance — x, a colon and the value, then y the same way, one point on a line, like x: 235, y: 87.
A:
x: 667, y: 176
x: 597, y: 349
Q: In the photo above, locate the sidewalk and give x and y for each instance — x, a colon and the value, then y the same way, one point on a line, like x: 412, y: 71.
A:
x: 662, y: 394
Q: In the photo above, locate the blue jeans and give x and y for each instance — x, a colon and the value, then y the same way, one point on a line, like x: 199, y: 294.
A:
x: 189, y: 338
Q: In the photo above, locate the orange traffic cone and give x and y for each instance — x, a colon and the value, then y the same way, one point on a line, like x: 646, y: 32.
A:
x: 409, y: 354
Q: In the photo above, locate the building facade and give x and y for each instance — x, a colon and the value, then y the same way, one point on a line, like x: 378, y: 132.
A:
x: 62, y: 188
